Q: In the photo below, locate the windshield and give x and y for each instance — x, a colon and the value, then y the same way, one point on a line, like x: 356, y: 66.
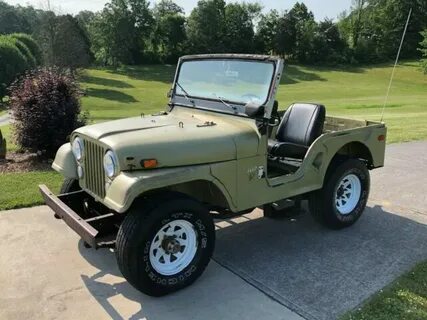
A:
x: 232, y: 80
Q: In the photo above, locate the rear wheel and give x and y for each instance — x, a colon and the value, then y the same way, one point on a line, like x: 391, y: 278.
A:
x: 164, y: 244
x: 342, y: 200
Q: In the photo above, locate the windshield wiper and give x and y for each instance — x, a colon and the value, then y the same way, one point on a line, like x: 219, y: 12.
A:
x: 225, y: 103
x: 186, y: 95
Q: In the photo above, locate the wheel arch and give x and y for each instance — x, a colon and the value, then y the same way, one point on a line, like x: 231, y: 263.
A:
x: 354, y: 150
x: 350, y: 150
x: 204, y: 191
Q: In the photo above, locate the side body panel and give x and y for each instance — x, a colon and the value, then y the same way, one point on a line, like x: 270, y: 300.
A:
x: 242, y: 182
x: 130, y: 185
x: 254, y: 190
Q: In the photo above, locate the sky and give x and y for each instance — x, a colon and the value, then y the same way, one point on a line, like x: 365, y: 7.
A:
x: 320, y: 8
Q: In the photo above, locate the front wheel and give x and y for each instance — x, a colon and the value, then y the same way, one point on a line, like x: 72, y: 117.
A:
x: 342, y: 200
x: 164, y: 244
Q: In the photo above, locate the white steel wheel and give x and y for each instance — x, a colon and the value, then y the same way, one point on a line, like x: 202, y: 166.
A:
x: 173, y: 247
x: 348, y: 194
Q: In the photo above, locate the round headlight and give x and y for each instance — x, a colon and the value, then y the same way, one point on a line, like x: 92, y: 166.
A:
x: 78, y: 148
x: 110, y: 164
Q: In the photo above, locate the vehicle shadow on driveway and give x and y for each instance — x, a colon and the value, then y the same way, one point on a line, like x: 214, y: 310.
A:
x: 205, y: 299
x: 321, y: 273
x: 316, y: 272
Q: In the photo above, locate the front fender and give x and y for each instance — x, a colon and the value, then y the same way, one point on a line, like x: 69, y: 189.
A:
x: 65, y: 162
x: 127, y: 186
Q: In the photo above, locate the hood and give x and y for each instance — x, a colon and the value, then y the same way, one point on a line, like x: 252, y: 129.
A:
x: 182, y: 137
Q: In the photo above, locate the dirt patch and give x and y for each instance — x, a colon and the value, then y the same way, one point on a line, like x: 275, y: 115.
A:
x: 24, y: 162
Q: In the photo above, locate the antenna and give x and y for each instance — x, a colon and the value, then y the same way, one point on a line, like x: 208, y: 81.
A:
x: 395, y: 64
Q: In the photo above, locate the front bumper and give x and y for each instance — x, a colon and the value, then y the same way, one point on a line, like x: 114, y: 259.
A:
x: 88, y: 228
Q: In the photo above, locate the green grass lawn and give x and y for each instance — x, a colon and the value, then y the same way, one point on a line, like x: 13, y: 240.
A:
x: 21, y: 189
x: 404, y: 299
x: 356, y: 92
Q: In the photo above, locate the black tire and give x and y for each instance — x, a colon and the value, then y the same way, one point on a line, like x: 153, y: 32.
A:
x: 76, y: 203
x: 70, y: 185
x: 138, y: 231
x: 323, y: 204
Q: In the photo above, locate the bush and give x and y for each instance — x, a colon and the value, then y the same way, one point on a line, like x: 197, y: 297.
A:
x: 45, y: 106
x: 26, y: 52
x: 12, y: 63
x: 31, y: 45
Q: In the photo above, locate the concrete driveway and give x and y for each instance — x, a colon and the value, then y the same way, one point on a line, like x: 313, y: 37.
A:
x: 273, y: 269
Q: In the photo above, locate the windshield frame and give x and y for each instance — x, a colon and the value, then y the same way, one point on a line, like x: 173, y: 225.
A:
x: 214, y: 104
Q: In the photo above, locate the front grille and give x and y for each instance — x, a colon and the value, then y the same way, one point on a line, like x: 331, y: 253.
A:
x: 94, y: 178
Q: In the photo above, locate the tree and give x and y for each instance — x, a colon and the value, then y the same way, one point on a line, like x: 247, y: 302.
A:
x: 333, y: 48
x: 356, y: 21
x: 286, y: 35
x: 206, y: 27
x: 423, y: 50
x: 267, y: 32
x: 11, y: 21
x: 169, y: 35
x: 120, y: 32
x: 71, y: 47
x: 84, y: 19
x: 239, y: 28
x: 377, y: 27
x: 305, y: 26
x: 46, y: 36
x: 167, y: 7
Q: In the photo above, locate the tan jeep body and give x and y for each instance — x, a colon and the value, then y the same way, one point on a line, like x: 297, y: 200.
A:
x: 216, y: 157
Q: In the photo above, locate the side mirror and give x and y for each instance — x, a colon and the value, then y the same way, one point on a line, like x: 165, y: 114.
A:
x: 254, y: 110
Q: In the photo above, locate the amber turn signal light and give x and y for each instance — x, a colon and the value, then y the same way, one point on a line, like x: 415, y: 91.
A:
x: 149, y: 164
x: 381, y: 138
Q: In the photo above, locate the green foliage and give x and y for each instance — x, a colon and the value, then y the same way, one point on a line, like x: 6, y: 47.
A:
x: 405, y: 298
x: 120, y: 32
x: 3, y: 147
x: 131, y: 32
x: 206, y: 28
x: 169, y: 34
x: 71, y: 47
x: 31, y: 44
x: 267, y: 32
x: 239, y: 28
x: 12, y: 63
x: 374, y: 28
x: 45, y: 106
x: 25, y: 51
x: 11, y: 20
x: 423, y: 50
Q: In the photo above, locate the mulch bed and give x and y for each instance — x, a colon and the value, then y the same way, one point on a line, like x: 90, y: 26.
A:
x: 24, y: 162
